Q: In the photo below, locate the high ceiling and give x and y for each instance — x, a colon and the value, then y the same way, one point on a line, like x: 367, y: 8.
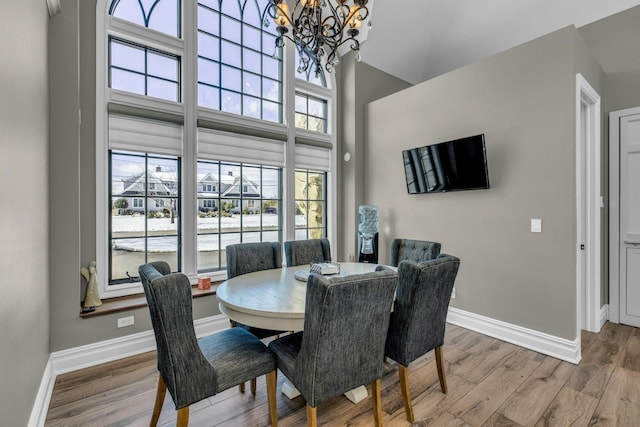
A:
x: 416, y: 40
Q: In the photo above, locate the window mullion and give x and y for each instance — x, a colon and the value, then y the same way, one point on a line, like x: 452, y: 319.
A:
x: 289, y: 202
x: 190, y: 146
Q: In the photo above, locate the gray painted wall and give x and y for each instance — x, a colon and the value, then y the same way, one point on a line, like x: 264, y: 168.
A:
x: 615, y: 43
x: 72, y: 73
x: 360, y: 84
x: 24, y: 194
x: 523, y: 100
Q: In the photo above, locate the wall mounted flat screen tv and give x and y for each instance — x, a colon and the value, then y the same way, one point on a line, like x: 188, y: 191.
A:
x: 455, y: 165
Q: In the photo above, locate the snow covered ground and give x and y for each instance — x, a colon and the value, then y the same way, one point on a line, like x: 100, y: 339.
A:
x: 207, y: 242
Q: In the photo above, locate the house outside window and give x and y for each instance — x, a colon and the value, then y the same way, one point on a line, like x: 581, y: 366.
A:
x: 171, y: 74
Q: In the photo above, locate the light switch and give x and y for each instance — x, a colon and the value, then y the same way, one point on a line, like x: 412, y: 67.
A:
x: 536, y: 225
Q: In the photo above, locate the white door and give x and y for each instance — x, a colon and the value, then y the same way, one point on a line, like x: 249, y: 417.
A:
x: 630, y: 220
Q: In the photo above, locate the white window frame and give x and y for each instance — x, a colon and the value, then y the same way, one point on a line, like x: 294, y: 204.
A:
x: 189, y: 112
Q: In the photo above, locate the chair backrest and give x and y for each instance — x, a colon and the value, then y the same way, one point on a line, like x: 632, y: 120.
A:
x: 420, y: 309
x: 414, y: 250
x: 243, y: 258
x: 345, y: 327
x: 179, y: 355
x: 300, y: 252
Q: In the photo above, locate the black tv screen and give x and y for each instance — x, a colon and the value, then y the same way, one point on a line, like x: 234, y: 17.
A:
x: 455, y: 165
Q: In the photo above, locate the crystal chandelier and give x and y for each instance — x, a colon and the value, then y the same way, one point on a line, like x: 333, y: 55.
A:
x: 319, y: 28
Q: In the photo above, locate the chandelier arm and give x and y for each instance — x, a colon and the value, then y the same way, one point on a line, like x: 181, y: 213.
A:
x: 317, y: 36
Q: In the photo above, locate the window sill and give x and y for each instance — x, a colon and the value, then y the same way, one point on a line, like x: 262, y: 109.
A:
x: 129, y: 302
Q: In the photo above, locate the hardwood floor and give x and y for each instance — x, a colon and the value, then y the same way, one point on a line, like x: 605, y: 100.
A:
x: 491, y: 383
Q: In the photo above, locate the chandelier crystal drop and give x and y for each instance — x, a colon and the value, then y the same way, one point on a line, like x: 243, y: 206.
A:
x: 318, y: 28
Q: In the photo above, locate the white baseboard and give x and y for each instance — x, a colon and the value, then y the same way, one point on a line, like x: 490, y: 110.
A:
x: 41, y: 405
x: 604, y: 314
x: 72, y: 359
x: 550, y: 345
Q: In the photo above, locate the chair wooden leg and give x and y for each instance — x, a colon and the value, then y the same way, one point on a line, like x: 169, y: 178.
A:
x: 377, y: 402
x: 403, y: 372
x: 440, y: 365
x: 183, y: 417
x: 253, y: 385
x: 272, y: 380
x: 312, y: 416
x: 241, y: 387
x: 157, y: 407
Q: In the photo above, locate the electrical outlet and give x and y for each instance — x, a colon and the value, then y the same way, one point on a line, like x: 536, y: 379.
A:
x: 453, y: 292
x: 125, y: 321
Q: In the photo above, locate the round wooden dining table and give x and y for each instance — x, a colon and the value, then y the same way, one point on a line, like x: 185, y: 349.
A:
x: 275, y: 298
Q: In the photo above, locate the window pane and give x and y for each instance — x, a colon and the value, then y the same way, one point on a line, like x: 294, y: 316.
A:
x: 270, y: 184
x: 126, y: 258
x: 208, y: 46
x: 208, y: 72
x: 310, y: 211
x: 213, y: 4
x: 241, y: 47
x: 251, y: 37
x: 129, y: 10
x: 252, y: 12
x: 165, y: 17
x: 127, y: 81
x: 301, y: 121
x: 208, y: 97
x: 127, y: 57
x: 251, y: 84
x: 208, y: 20
x: 315, y: 187
x: 231, y: 8
x: 145, y: 222
x: 164, y: 249
x: 231, y: 102
x: 315, y: 124
x: 162, y: 89
x: 251, y: 61
x: 230, y: 54
x: 251, y: 107
x: 160, y: 15
x: 271, y: 111
x: 163, y: 66
x: 231, y: 205
x: 301, y: 104
x: 317, y: 107
x: 270, y: 67
x: 271, y: 89
x: 311, y: 113
x: 230, y: 29
x: 208, y: 251
x: 231, y: 79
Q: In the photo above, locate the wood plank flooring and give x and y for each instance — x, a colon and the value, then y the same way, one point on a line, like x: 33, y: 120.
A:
x: 491, y: 383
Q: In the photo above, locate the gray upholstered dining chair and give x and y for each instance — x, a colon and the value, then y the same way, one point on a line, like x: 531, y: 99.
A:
x: 419, y: 317
x: 300, y: 252
x: 342, y: 345
x: 244, y: 258
x: 414, y: 250
x: 193, y: 369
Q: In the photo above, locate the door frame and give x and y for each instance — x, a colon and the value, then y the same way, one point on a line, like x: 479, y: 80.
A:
x: 587, y: 96
x: 614, y: 210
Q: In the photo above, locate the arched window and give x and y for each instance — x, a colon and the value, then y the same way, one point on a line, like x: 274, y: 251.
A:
x: 194, y: 147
